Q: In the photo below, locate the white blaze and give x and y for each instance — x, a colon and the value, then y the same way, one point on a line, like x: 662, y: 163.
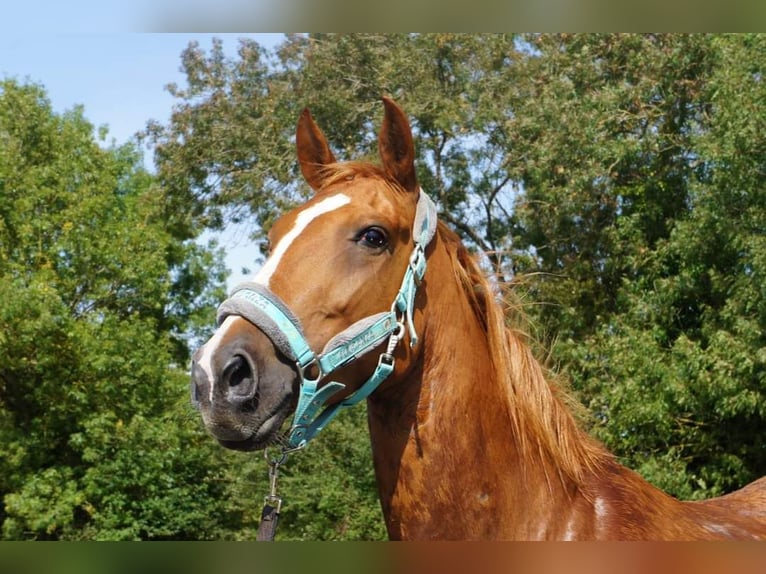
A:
x: 304, y: 218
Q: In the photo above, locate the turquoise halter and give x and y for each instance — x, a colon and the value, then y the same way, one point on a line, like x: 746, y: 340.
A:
x: 264, y: 309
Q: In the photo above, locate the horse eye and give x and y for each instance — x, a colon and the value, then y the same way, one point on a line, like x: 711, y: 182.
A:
x: 373, y: 237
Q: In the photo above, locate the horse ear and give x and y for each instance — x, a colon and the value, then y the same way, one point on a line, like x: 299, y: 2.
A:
x: 395, y: 146
x: 313, y: 151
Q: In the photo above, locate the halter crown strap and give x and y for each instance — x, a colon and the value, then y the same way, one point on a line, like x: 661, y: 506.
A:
x: 264, y: 309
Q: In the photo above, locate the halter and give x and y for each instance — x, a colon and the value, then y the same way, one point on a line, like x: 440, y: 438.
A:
x: 264, y: 309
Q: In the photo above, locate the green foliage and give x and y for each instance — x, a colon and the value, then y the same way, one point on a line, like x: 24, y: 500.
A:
x: 149, y: 479
x: 228, y: 150
x: 673, y: 364
x: 617, y: 179
x: 92, y: 310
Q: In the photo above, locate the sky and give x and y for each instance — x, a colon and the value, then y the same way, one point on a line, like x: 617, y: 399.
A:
x: 119, y: 78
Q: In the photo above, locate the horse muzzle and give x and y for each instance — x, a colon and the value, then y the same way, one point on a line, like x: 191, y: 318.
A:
x: 243, y: 387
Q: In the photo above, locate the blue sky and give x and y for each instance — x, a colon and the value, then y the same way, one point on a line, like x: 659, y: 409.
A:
x: 120, y: 80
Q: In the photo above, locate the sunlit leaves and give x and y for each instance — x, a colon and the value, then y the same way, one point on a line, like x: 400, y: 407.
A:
x: 95, y: 298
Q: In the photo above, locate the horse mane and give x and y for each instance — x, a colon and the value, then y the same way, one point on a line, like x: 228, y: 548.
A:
x: 543, y: 426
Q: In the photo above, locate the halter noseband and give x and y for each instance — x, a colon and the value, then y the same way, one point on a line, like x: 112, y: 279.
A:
x: 264, y: 309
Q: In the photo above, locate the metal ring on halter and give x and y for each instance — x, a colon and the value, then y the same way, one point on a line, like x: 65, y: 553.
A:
x: 306, y: 375
x: 275, y: 461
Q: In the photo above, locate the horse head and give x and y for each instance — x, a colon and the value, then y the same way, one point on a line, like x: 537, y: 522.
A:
x: 331, y: 314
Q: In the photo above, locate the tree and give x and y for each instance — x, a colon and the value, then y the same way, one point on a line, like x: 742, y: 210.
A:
x: 95, y: 295
x: 676, y: 373
x: 617, y: 180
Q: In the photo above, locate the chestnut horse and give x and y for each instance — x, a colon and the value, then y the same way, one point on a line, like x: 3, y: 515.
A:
x: 366, y: 296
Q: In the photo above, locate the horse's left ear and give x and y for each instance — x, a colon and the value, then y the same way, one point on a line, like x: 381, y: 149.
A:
x: 395, y: 146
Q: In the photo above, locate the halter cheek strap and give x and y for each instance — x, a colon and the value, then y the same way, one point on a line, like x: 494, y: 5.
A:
x: 264, y: 309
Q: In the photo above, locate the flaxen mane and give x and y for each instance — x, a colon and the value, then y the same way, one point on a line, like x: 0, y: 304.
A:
x: 537, y: 407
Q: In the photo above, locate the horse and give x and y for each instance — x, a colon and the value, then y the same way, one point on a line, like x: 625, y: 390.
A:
x: 366, y: 295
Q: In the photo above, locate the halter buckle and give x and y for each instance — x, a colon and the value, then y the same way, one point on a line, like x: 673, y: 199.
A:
x: 418, y: 264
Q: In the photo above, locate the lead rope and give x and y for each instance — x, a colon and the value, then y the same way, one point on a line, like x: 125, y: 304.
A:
x: 272, y: 503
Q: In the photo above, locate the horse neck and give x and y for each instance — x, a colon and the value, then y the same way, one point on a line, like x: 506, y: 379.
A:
x: 457, y: 451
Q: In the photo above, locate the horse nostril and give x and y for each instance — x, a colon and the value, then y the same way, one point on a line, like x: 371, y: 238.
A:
x: 239, y: 379
x: 236, y: 371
